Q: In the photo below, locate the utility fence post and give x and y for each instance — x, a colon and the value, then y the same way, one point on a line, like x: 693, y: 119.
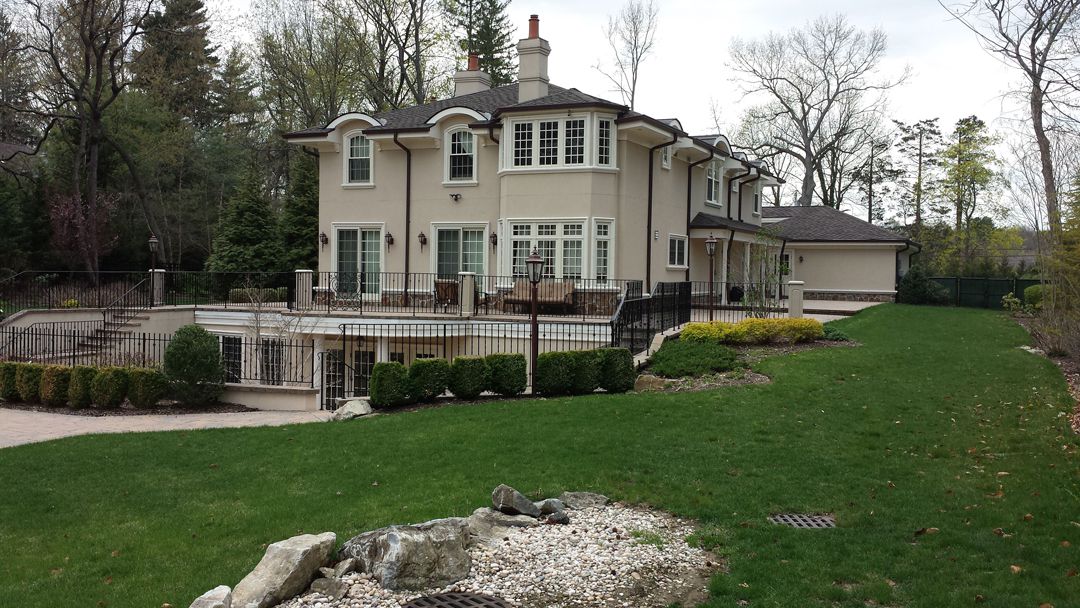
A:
x: 468, y: 293
x: 303, y: 289
x: 795, y: 299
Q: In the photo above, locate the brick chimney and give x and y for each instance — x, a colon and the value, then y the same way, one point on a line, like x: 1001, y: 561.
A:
x: 471, y: 80
x: 533, y: 63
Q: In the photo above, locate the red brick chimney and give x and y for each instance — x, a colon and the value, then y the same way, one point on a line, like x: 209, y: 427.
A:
x: 533, y: 63
x: 471, y: 80
x: 534, y: 26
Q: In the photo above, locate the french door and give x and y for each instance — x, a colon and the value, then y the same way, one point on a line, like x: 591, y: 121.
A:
x: 359, y: 260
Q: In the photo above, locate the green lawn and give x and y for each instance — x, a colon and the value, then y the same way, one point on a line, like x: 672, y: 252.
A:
x: 937, y: 421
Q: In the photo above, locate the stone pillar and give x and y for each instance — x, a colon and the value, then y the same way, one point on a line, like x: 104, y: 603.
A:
x: 468, y: 293
x: 157, y: 285
x: 795, y: 299
x: 303, y: 289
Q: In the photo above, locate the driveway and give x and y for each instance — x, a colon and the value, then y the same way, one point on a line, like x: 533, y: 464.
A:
x: 18, y: 427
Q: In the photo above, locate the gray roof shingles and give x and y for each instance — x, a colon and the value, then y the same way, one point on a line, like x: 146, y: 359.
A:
x: 708, y: 220
x: 819, y: 224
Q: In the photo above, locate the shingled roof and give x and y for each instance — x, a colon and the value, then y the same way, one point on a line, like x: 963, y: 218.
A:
x: 824, y: 224
x: 708, y: 220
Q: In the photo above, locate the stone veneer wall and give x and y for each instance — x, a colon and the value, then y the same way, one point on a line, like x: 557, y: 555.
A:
x: 849, y: 296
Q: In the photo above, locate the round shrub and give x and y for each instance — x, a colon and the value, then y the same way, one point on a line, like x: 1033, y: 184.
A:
x: 428, y: 378
x: 585, y: 372
x: 389, y: 385
x: 79, y: 386
x: 617, y: 373
x: 9, y: 390
x: 28, y: 381
x: 834, y: 334
x: 1033, y: 296
x: 554, y: 373
x: 916, y: 287
x: 469, y: 377
x: 508, y: 373
x: 146, y: 387
x: 109, y: 387
x: 55, y: 380
x: 193, y: 366
x: 681, y: 358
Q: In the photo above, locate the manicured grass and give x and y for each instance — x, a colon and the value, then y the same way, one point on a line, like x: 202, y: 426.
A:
x: 937, y: 421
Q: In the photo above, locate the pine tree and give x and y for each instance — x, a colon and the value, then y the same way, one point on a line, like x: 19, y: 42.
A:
x: 16, y: 85
x: 177, y: 62
x: 486, y: 30
x: 919, y: 150
x: 300, y: 217
x: 247, y: 238
x: 234, y: 102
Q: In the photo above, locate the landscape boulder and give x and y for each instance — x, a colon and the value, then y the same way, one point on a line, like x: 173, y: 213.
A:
x: 489, y: 525
x: 431, y: 554
x: 558, y: 517
x: 345, y: 566
x: 353, y: 408
x: 510, y: 501
x: 218, y: 597
x: 583, y: 500
x: 550, y: 505
x: 333, y: 588
x: 285, y: 570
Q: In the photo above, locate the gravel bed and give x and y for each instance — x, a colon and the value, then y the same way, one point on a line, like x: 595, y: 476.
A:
x: 606, y: 557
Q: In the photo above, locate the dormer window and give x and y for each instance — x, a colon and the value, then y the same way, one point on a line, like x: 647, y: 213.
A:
x: 712, y: 183
x: 358, y: 161
x: 460, y: 156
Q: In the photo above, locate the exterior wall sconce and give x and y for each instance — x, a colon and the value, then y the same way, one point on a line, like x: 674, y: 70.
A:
x: 455, y: 196
x: 494, y: 240
x: 323, y: 239
x: 800, y: 259
x: 423, y: 240
x: 389, y: 239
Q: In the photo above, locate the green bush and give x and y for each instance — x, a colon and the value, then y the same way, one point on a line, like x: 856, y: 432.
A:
x: 918, y: 288
x: 567, y: 373
x: 109, y: 387
x: 585, y: 372
x: 55, y: 380
x: 9, y: 390
x: 682, y: 358
x: 617, y: 373
x: 834, y: 334
x: 754, y: 331
x: 428, y: 378
x: 79, y: 387
x: 389, y: 385
x: 469, y: 376
x: 146, y: 387
x: 28, y: 381
x: 508, y: 374
x: 193, y: 366
x: 1033, y: 296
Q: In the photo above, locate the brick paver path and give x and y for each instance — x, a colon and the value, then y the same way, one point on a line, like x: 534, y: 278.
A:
x: 18, y: 427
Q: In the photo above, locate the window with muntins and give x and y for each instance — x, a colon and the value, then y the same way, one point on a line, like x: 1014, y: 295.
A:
x: 554, y: 143
x: 523, y: 144
x: 712, y: 183
x: 272, y: 365
x: 461, y: 160
x: 575, y: 142
x: 549, y: 142
x: 358, y: 260
x: 603, y: 142
x: 665, y: 157
x: 677, y: 251
x: 564, y: 247
x: 459, y: 249
x: 359, y: 160
x: 603, y: 251
x: 232, y: 357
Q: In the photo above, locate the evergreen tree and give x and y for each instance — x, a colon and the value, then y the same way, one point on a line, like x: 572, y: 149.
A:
x: 177, y: 62
x: 247, y: 238
x: 486, y: 30
x: 971, y: 174
x: 919, y: 155
x: 300, y: 217
x: 235, y: 105
x: 16, y: 85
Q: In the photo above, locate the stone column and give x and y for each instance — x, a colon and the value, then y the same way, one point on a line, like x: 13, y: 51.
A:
x: 468, y: 293
x: 303, y: 289
x: 795, y: 299
x: 157, y: 283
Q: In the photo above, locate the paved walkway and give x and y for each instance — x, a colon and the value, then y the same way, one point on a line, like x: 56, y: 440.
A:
x: 18, y: 427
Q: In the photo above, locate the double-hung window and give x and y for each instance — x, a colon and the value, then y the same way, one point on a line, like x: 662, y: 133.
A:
x: 564, y: 246
x: 605, y: 130
x: 757, y: 202
x: 712, y: 183
x: 665, y: 157
x: 561, y: 142
x: 574, y: 149
x: 677, y: 251
x: 523, y: 144
x: 358, y: 161
x: 603, y: 251
x: 461, y: 156
x: 459, y: 249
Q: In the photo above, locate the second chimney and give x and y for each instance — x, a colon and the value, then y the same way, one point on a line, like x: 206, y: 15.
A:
x: 533, y: 63
x: 471, y: 80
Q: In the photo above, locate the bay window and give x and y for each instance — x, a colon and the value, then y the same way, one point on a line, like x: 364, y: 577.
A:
x: 605, y: 127
x: 563, y: 142
x: 358, y: 161
x: 459, y: 249
x: 568, y: 248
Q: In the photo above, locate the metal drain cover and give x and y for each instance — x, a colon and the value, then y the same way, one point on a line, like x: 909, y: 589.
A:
x: 457, y: 600
x: 803, y: 520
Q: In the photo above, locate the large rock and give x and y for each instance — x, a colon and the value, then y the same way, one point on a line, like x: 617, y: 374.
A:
x: 510, y: 501
x: 353, y: 408
x: 583, y: 500
x: 218, y: 597
x: 284, y: 571
x: 333, y: 588
x: 431, y: 554
x: 488, y: 525
x: 549, y: 506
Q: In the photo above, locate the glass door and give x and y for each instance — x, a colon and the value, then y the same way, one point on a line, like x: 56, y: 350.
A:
x: 359, y: 261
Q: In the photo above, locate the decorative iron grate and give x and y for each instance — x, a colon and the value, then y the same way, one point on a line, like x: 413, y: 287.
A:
x: 803, y: 520
x: 457, y: 600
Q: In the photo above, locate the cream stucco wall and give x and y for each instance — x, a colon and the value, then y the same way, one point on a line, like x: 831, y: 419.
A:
x: 856, y: 268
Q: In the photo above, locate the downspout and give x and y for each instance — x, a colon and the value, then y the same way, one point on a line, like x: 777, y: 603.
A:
x: 491, y: 132
x: 737, y: 178
x: 648, y: 223
x: 727, y: 259
x: 741, y: 184
x: 408, y: 214
x: 689, y: 184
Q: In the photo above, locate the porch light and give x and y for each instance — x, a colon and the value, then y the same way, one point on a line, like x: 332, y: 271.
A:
x: 535, y: 265
x: 710, y: 245
x: 423, y: 239
x: 389, y: 239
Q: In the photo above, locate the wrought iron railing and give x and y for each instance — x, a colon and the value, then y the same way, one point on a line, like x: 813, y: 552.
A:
x: 638, y: 320
x: 733, y: 301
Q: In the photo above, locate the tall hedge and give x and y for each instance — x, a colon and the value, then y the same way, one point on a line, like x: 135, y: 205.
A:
x: 193, y: 366
x: 109, y: 387
x: 469, y: 377
x: 54, y: 385
x: 428, y: 378
x: 508, y: 374
x: 146, y: 387
x: 9, y: 391
x: 79, y: 386
x: 389, y: 385
x: 617, y: 373
x: 28, y: 381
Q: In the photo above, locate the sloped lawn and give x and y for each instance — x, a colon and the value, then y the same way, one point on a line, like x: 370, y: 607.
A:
x: 923, y: 441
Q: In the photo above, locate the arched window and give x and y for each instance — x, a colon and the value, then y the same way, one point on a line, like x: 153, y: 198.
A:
x: 460, y: 156
x: 358, y: 167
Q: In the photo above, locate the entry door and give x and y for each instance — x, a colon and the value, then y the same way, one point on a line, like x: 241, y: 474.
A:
x: 358, y: 260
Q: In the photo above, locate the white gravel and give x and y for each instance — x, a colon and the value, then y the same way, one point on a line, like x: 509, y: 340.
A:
x: 606, y: 557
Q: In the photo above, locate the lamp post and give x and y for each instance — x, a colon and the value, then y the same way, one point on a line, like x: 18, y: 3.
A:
x: 535, y: 266
x: 710, y: 249
x: 153, y: 242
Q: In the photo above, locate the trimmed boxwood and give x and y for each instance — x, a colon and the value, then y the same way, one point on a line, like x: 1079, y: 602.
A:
x: 616, y: 373
x: 567, y: 373
x: 193, y: 366
x: 9, y: 391
x: 146, y: 387
x: 682, y: 358
x: 428, y: 378
x: 109, y: 387
x: 508, y: 374
x: 28, y: 381
x: 79, y: 386
x: 469, y: 377
x: 55, y: 380
x: 389, y: 385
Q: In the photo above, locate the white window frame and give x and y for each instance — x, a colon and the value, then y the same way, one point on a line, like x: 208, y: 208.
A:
x: 612, y: 143
x: 714, y: 175
x: 346, y: 152
x: 665, y: 157
x: 610, y: 239
x: 358, y: 226
x: 447, y: 136
x: 590, y: 147
x: 685, y: 263
x: 437, y: 226
x: 757, y: 203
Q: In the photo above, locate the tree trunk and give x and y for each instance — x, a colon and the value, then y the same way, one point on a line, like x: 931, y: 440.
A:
x: 806, y: 197
x: 1053, y: 212
x: 919, y: 188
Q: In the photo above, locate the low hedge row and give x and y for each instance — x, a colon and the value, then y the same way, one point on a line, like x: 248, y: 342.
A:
x: 584, y: 371
x: 691, y: 358
x: 755, y: 331
x: 81, y: 387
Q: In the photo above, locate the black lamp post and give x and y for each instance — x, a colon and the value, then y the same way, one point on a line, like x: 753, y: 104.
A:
x: 710, y: 249
x: 535, y: 266
x: 153, y: 242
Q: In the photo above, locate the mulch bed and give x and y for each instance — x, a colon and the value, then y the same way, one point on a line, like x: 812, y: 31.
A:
x: 130, y: 410
x: 1070, y: 368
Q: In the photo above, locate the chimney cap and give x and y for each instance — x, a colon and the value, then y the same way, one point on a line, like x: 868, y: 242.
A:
x: 534, y: 26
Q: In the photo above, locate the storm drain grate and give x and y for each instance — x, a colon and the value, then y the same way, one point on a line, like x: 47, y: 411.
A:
x: 804, y: 521
x: 457, y: 600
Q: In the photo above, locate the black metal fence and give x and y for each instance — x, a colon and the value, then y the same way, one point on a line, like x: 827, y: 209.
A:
x: 639, y: 319
x: 568, y: 297
x: 734, y: 301
x: 982, y: 292
x: 411, y: 294
x: 72, y: 290
x: 226, y: 289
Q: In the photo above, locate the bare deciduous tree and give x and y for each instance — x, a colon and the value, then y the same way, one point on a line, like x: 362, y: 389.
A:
x: 631, y: 34
x: 821, y: 82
